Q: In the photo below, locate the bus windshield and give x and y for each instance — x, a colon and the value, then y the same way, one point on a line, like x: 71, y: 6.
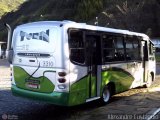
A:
x: 37, y: 39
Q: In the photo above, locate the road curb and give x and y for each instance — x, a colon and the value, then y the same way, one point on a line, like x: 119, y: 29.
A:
x: 151, y: 114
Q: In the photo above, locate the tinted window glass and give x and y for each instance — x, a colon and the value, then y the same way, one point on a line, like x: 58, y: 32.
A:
x: 132, y: 48
x: 151, y: 48
x: 113, y: 48
x: 76, y: 45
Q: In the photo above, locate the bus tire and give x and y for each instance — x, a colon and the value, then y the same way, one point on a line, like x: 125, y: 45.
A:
x: 149, y: 81
x: 106, y: 95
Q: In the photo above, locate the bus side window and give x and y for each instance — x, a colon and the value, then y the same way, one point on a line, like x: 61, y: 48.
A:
x: 108, y: 48
x: 132, y: 48
x: 151, y: 48
x: 113, y: 48
x: 76, y: 46
x: 119, y: 48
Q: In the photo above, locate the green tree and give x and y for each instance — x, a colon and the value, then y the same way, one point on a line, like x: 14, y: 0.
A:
x: 89, y: 8
x: 9, y: 5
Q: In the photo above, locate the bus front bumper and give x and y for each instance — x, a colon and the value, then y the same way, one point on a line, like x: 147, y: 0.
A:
x: 57, y: 98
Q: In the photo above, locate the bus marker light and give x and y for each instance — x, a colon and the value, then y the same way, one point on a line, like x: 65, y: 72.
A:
x: 61, y: 74
x: 62, y: 80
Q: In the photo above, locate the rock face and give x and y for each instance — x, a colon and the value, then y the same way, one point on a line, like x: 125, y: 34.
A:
x: 9, y: 5
x: 140, y: 16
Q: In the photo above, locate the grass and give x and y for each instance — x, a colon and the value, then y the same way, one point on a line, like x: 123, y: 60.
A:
x: 157, y: 57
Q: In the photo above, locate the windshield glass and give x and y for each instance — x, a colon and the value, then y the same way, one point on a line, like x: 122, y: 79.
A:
x: 35, y: 39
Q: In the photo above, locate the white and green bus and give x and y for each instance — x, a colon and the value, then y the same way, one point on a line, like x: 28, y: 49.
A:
x: 68, y: 63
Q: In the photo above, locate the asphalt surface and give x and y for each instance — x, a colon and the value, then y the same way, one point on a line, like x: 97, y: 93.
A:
x: 158, y: 69
x: 135, y: 103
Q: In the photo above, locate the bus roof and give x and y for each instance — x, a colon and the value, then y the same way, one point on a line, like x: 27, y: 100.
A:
x: 73, y: 24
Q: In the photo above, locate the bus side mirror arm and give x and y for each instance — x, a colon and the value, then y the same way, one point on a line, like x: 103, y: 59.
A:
x: 9, y: 51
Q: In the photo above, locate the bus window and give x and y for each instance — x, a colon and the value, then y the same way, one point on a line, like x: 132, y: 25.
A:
x: 132, y: 48
x: 113, y: 48
x: 151, y: 48
x: 119, y: 48
x: 108, y: 48
x: 76, y: 45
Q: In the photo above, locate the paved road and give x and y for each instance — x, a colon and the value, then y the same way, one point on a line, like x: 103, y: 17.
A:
x: 134, y: 103
x: 158, y: 69
x: 4, y: 74
x: 138, y: 104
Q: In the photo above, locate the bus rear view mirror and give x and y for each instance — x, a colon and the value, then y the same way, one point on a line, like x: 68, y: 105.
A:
x: 9, y: 56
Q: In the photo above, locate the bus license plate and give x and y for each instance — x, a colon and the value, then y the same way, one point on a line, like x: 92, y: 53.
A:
x: 31, y: 85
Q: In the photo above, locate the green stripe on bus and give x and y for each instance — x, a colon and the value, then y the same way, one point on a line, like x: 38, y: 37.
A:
x: 79, y: 91
x: 20, y: 77
x: 121, y: 79
x: 57, y: 98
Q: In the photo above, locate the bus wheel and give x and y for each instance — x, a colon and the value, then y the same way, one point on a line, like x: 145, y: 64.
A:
x: 150, y: 80
x: 106, y: 95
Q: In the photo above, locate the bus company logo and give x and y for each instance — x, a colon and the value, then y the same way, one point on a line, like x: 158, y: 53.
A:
x: 9, y: 117
x: 44, y: 36
x: 4, y: 117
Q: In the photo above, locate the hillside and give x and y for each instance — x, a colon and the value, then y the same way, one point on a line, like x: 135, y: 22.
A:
x: 138, y: 15
x: 8, y: 6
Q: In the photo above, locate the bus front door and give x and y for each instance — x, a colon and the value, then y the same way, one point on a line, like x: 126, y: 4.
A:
x: 93, y: 55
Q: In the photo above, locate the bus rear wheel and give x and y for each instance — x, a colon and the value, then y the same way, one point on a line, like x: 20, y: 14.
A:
x: 106, y: 95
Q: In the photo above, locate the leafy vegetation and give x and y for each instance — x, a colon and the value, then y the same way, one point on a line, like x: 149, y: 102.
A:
x: 9, y: 5
x: 138, y: 15
x: 157, y: 58
x: 88, y: 8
